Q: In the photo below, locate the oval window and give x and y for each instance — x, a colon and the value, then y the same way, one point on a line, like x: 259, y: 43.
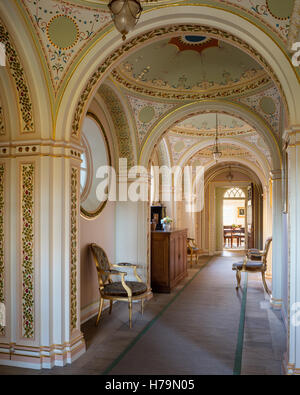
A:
x: 95, y: 154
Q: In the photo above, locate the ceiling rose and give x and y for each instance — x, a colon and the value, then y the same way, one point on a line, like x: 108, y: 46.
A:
x: 194, y: 43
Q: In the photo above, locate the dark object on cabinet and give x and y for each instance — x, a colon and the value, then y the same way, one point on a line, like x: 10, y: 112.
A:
x: 168, y: 259
x: 157, y: 214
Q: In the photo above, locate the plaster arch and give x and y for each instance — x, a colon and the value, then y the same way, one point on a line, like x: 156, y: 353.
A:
x: 233, y: 109
x: 34, y: 77
x: 251, y: 168
x: 121, y: 118
x: 107, y: 52
x: 207, y: 142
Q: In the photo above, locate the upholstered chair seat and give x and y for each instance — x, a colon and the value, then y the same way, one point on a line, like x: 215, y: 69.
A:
x: 117, y: 289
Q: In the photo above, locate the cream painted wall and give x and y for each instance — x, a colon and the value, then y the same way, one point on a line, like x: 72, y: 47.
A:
x: 101, y: 231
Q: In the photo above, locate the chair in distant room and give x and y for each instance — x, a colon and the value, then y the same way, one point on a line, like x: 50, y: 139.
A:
x: 193, y: 252
x: 227, y: 236
x: 254, y: 261
x: 126, y: 291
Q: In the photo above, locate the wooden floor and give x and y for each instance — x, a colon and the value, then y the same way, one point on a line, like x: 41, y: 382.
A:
x: 194, y: 330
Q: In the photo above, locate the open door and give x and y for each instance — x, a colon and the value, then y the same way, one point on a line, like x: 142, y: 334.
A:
x: 250, y: 216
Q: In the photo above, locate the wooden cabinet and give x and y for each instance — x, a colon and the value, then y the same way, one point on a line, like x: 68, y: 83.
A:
x: 168, y: 259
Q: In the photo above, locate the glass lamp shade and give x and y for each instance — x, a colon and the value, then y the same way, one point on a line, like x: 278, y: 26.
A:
x: 125, y: 14
x: 217, y: 154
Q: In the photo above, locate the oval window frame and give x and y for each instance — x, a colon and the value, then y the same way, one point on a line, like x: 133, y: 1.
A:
x: 94, y: 214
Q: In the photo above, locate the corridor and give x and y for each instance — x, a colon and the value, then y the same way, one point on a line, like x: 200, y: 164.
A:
x: 204, y: 327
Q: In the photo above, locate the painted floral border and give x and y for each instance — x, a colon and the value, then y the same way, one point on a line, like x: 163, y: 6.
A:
x: 73, y: 245
x: 18, y: 75
x: 27, y: 223
x: 2, y: 266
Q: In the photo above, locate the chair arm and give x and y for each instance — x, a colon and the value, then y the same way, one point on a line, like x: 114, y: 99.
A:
x: 129, y: 265
x: 114, y: 272
x: 121, y: 264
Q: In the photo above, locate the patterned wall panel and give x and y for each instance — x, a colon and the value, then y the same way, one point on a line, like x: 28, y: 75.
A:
x: 27, y: 248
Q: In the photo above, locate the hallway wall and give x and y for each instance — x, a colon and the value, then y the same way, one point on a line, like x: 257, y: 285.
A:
x: 101, y: 231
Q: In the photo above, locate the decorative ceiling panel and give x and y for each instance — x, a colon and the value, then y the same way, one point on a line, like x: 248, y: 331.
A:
x: 64, y: 29
x: 146, y: 113
x: 268, y: 104
x: 190, y: 66
x: 276, y: 14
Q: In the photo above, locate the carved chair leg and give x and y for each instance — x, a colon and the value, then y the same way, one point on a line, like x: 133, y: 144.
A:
x: 130, y: 313
x: 110, y: 306
x: 100, y: 310
x: 265, y: 283
x: 238, y: 279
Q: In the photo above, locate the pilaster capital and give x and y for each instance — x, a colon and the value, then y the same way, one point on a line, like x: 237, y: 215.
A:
x: 292, y: 135
x: 276, y: 174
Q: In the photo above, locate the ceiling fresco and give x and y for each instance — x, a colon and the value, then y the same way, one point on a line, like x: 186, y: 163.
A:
x: 63, y: 30
x: 193, y: 130
x: 190, y: 66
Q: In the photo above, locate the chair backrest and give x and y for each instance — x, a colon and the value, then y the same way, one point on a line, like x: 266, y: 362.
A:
x: 267, y: 245
x: 101, y: 262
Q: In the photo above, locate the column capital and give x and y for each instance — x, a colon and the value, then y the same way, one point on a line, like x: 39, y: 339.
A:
x: 292, y: 135
x: 275, y: 174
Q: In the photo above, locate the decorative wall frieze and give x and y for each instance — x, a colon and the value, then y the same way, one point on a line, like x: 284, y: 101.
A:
x: 79, y: 23
x: 2, y: 263
x: 233, y: 89
x: 18, y: 75
x: 41, y: 148
x: 174, y: 29
x: 27, y: 248
x: 74, y: 196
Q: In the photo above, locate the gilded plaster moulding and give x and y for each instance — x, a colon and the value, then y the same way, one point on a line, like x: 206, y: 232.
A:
x: 165, y: 31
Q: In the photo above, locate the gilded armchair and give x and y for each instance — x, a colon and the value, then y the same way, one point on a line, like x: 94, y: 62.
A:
x: 127, y: 291
x: 254, y: 261
x: 192, y: 250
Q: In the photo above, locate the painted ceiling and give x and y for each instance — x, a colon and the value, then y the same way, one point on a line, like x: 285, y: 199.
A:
x: 205, y: 125
x: 189, y: 67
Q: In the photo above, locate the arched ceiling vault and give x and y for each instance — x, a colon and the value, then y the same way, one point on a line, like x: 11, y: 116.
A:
x: 237, y: 112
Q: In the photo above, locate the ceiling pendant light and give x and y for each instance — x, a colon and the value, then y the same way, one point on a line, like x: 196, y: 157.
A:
x: 125, y: 14
x: 229, y: 176
x: 216, y: 152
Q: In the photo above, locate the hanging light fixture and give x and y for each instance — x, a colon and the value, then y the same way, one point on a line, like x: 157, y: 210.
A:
x: 125, y: 14
x: 229, y: 176
x: 216, y: 152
